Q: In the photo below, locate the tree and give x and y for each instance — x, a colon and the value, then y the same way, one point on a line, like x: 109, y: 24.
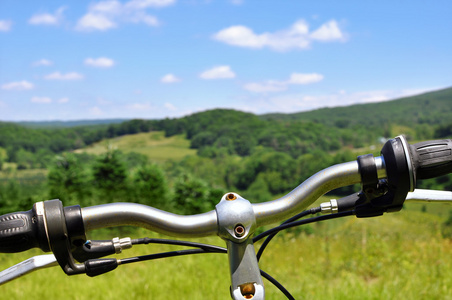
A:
x: 150, y: 186
x: 191, y: 195
x: 67, y: 179
x: 2, y: 157
x: 258, y: 191
x: 9, y: 197
x: 110, y: 173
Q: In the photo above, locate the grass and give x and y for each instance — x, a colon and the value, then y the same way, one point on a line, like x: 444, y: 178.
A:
x: 400, y: 255
x: 153, y: 144
x: 23, y: 174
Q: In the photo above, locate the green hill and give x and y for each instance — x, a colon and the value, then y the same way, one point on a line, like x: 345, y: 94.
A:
x: 433, y: 108
x: 64, y: 124
x: 223, y: 131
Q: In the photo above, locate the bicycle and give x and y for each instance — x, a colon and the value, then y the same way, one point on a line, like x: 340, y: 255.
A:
x: 387, y: 181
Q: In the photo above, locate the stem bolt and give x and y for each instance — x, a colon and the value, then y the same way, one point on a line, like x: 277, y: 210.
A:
x: 239, y: 230
x: 231, y: 197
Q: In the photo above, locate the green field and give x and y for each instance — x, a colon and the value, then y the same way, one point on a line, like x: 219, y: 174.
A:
x: 153, y: 144
x: 397, y: 256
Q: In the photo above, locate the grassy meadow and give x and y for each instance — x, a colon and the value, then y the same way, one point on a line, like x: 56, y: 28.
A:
x: 153, y: 144
x: 397, y: 256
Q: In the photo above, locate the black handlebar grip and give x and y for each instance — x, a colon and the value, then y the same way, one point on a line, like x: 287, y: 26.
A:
x: 18, y: 232
x: 432, y: 158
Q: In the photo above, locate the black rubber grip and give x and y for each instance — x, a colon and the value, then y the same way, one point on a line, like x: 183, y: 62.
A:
x: 432, y: 158
x: 18, y: 232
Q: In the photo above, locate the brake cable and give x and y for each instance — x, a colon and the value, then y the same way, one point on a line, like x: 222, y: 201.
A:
x: 294, y: 218
x: 287, y: 225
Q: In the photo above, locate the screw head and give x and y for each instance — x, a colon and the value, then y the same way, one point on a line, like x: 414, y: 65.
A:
x: 239, y: 230
x: 231, y: 197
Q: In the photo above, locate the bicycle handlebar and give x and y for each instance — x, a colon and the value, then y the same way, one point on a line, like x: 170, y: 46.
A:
x: 21, y: 231
x: 402, y: 164
x: 386, y: 181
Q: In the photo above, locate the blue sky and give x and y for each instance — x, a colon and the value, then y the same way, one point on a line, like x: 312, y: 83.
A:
x: 70, y: 60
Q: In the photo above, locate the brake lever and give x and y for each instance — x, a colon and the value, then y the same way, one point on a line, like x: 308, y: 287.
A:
x: 28, y: 266
x: 421, y: 195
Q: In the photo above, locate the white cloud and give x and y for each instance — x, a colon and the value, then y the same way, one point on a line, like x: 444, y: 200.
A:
x: 92, y: 21
x: 47, y: 18
x: 296, y: 37
x: 105, y: 15
x: 67, y: 76
x: 142, y: 4
x: 42, y: 62
x: 108, y: 7
x: 170, y: 78
x: 299, y: 78
x: 279, y: 86
x: 328, y: 32
x: 268, y: 86
x: 101, y: 62
x: 18, y: 86
x: 41, y: 100
x: 47, y: 100
x: 5, y: 25
x: 170, y: 106
x: 241, y: 36
x: 219, y: 72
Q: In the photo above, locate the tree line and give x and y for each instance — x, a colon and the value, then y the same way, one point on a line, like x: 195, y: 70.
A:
x: 213, y: 133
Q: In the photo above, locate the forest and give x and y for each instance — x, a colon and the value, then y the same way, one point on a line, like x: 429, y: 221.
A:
x: 260, y: 156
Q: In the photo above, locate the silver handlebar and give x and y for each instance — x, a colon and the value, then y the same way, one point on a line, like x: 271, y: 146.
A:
x: 206, y: 224
x: 134, y: 214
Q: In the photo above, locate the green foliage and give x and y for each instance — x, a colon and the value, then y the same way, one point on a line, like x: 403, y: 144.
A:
x: 2, y: 157
x: 150, y: 186
x: 110, y: 173
x: 258, y: 191
x: 443, y: 131
x: 446, y: 227
x: 19, y: 194
x: 133, y: 159
x: 68, y: 180
x: 192, y: 195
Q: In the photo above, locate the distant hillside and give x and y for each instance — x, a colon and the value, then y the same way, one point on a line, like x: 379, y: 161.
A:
x: 64, y: 124
x: 433, y: 108
x: 221, y: 132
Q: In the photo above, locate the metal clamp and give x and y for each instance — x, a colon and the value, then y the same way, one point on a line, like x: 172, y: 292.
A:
x: 236, y: 220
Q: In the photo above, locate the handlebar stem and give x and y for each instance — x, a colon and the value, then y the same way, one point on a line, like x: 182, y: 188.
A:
x: 236, y: 225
